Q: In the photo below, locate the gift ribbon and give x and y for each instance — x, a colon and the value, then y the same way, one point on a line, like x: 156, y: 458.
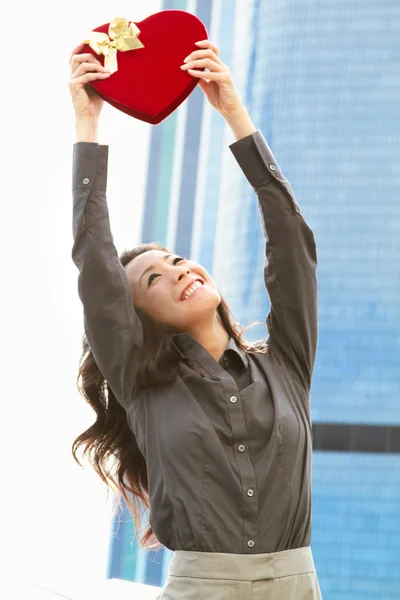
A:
x: 122, y: 36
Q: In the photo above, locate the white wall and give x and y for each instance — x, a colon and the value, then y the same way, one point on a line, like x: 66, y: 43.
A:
x: 55, y: 519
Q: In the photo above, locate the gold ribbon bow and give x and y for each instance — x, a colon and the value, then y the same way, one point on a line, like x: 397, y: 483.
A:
x: 122, y: 36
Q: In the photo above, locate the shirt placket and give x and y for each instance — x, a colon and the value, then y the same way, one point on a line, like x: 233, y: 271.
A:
x: 247, y: 474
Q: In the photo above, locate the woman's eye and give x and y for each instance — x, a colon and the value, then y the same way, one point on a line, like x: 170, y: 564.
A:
x: 151, y: 278
x: 177, y: 259
x: 155, y: 275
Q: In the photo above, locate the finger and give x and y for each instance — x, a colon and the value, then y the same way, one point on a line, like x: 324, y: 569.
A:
x: 80, y: 58
x: 205, y: 63
x: 87, y: 78
x: 76, y: 50
x: 86, y: 57
x: 208, y: 53
x: 88, y: 66
x: 208, y: 44
x: 212, y: 76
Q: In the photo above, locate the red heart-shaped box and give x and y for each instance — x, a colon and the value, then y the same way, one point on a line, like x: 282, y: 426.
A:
x: 149, y: 84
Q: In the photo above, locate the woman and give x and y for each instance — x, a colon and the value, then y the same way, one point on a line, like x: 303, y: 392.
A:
x: 210, y: 433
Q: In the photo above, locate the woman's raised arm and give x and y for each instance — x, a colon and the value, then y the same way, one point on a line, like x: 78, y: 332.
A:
x: 113, y: 329
x: 291, y: 259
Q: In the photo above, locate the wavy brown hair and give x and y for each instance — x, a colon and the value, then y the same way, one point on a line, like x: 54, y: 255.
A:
x: 109, y: 444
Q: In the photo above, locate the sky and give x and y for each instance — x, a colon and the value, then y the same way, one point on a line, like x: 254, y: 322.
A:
x: 55, y: 517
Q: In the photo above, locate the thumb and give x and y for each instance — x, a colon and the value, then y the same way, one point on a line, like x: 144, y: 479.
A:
x: 203, y: 84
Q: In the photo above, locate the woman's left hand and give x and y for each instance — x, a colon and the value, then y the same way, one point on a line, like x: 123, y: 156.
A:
x: 220, y: 90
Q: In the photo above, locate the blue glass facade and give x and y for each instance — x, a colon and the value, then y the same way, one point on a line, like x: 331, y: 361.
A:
x: 322, y: 82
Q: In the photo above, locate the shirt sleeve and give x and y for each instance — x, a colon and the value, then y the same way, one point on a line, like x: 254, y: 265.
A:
x: 290, y: 262
x: 113, y: 329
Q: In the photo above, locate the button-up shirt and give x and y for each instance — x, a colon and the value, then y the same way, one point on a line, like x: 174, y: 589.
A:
x: 228, y: 452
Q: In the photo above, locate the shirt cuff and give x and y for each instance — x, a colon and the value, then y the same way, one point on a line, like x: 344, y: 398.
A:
x: 90, y: 161
x: 256, y: 160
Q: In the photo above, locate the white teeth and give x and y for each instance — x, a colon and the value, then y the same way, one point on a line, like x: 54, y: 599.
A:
x: 192, y: 289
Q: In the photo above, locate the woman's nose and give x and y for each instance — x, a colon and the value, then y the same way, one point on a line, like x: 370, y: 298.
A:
x: 181, y: 272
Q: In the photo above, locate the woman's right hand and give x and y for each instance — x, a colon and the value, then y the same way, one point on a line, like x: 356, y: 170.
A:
x: 85, y: 68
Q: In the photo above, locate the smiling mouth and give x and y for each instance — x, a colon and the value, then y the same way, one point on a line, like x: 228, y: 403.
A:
x: 196, y: 287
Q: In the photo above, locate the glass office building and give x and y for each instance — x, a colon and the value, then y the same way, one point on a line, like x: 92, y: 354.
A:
x: 322, y: 82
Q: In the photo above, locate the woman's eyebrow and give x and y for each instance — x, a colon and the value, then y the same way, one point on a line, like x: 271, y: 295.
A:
x: 152, y: 267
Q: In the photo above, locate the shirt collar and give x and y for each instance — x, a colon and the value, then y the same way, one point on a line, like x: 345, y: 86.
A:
x: 235, y: 348
x: 184, y: 341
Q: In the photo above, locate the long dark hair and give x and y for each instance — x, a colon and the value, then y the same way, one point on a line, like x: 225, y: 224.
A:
x: 109, y: 443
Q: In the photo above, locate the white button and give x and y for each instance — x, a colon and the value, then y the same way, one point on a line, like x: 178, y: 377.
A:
x: 241, y: 448
x: 250, y: 492
x: 85, y: 181
x: 272, y: 167
x: 250, y: 543
x: 233, y: 399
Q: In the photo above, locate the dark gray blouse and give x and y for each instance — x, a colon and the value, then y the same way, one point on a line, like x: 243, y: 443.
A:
x: 228, y: 453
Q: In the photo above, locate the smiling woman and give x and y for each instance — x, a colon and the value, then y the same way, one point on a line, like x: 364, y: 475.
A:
x: 162, y: 284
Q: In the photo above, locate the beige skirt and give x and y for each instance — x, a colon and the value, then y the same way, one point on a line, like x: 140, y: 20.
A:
x: 286, y: 575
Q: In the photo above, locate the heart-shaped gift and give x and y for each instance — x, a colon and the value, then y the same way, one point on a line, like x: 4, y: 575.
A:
x: 149, y: 83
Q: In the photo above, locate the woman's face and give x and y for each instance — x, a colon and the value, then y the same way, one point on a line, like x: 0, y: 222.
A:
x: 172, y: 290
